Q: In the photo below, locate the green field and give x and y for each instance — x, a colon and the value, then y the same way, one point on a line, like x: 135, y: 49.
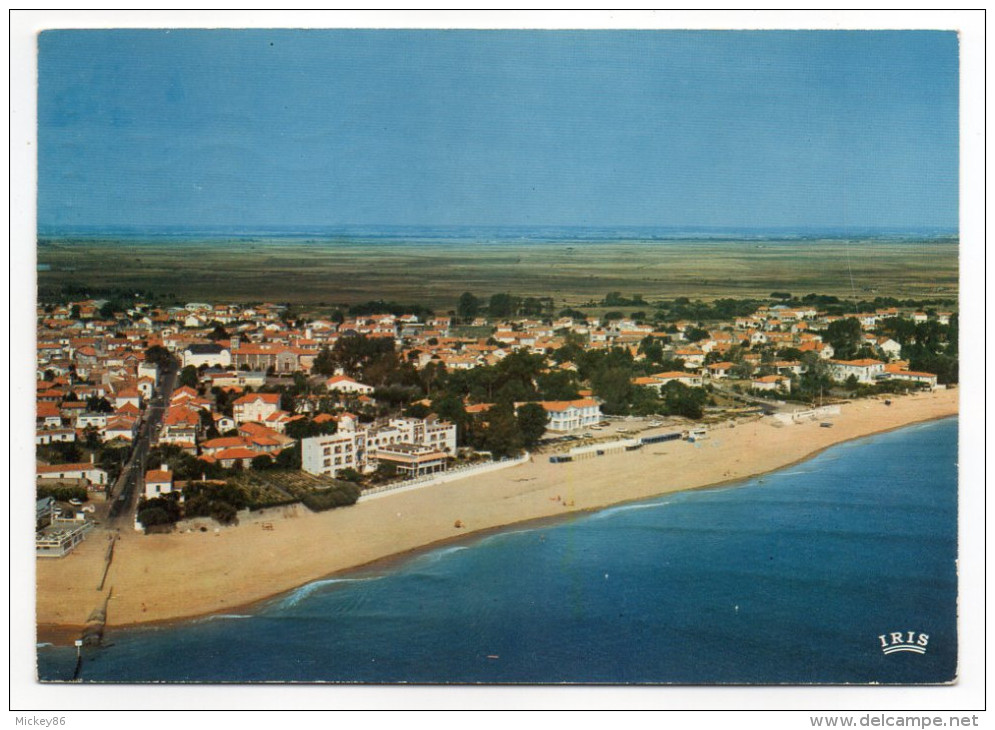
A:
x: 435, y: 273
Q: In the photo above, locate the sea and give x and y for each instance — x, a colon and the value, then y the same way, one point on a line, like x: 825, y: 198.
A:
x: 837, y: 570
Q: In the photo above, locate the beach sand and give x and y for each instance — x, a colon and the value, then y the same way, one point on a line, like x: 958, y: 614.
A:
x: 182, y: 575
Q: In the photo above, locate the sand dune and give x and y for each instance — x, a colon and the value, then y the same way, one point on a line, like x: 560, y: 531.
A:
x: 181, y: 575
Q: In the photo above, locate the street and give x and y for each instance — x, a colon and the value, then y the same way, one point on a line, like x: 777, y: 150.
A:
x: 126, y: 491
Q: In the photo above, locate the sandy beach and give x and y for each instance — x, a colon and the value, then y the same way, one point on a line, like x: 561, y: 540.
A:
x: 182, y: 575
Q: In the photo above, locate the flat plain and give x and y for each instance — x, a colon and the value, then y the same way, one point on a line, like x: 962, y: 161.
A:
x: 434, y: 273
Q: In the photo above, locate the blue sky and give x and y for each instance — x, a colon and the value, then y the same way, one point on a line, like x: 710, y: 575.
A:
x: 578, y: 128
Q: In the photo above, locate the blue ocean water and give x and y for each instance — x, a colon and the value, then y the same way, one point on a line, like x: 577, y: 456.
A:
x: 789, y: 578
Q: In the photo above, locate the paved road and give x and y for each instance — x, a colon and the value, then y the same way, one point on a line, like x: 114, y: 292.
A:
x: 127, y: 490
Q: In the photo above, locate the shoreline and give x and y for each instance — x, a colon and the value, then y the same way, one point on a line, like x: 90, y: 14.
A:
x: 188, y: 593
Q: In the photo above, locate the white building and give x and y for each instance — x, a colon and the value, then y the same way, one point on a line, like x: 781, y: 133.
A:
x: 571, y: 415
x: 149, y: 370
x: 691, y: 380
x: 255, y: 407
x: 866, y: 370
x: 772, y: 383
x: 356, y: 446
x: 158, y: 482
x: 209, y: 355
x: 90, y: 472
x: 345, y: 384
x: 893, y: 373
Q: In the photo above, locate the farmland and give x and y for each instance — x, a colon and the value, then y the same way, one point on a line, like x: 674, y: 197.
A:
x: 434, y: 273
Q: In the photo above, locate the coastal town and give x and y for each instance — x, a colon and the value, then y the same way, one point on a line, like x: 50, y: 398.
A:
x: 155, y: 418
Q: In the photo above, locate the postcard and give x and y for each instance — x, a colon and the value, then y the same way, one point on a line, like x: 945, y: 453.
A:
x: 498, y: 356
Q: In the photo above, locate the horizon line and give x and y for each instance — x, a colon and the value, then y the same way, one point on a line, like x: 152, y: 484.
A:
x: 373, y: 230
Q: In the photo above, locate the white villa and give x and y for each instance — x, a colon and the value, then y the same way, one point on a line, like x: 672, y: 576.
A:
x: 571, y: 415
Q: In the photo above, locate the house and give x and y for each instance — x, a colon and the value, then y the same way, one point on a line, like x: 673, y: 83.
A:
x: 91, y: 419
x: 93, y: 474
x: 238, y: 454
x: 771, y: 383
x: 128, y: 395
x: 48, y: 415
x: 255, y: 407
x: 222, y: 422
x: 719, y: 370
x: 565, y: 416
x: 44, y: 437
x: 823, y: 349
x: 180, y: 424
x: 345, y: 384
x: 691, y: 380
x: 891, y: 349
x: 214, y: 446
x: 158, y: 482
x: 693, y: 357
x: 865, y: 371
x: 897, y: 372
x: 124, y: 427
x: 149, y: 370
x: 789, y: 367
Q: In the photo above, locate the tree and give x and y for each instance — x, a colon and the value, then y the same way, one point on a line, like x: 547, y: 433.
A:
x: 350, y: 475
x: 500, y: 305
x: 91, y: 438
x: 417, y: 410
x: 218, y: 333
x: 224, y: 512
x: 450, y: 408
x: 557, y: 385
x: 614, y: 386
x: 532, y: 420
x: 96, y: 404
x: 188, y: 377
x: 289, y: 458
x: 152, y: 516
x: 262, y: 462
x: 681, y: 400
x: 324, y: 363
x: 468, y: 307
x: 845, y: 337
x: 109, y: 309
x: 207, y: 424
x: 502, y: 437
x: 162, y: 510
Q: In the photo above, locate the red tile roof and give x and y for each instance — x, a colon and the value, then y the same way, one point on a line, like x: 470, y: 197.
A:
x: 270, y: 398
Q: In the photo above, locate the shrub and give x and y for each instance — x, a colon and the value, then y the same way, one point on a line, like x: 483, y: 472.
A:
x: 63, y: 494
x: 342, y: 494
x: 152, y: 516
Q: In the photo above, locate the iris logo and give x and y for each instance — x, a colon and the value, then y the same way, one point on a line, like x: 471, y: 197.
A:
x: 908, y: 641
